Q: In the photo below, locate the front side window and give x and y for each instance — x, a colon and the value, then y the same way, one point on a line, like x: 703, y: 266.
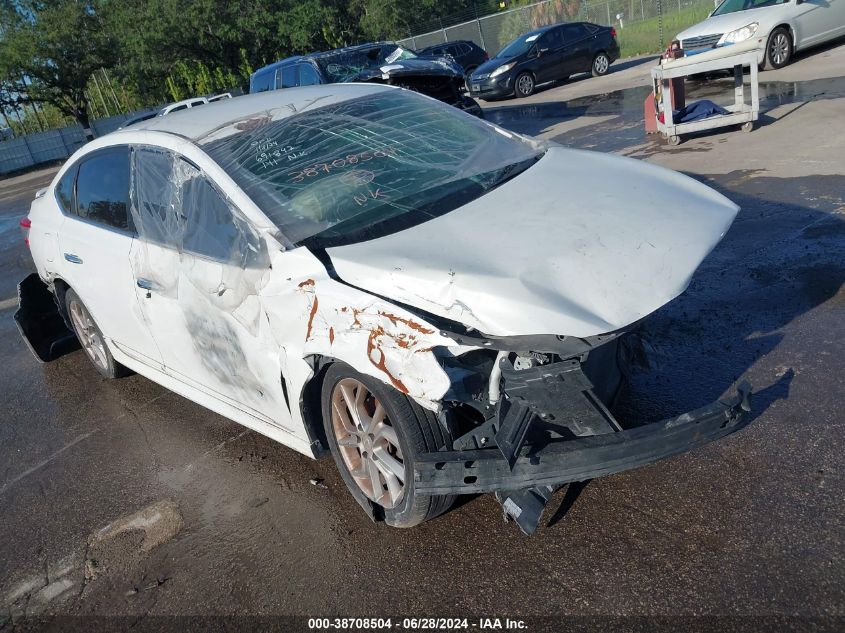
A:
x: 286, y: 77
x: 175, y: 205
x: 519, y: 46
x: 350, y: 170
x: 308, y: 76
x: 262, y: 82
x: 102, y: 188
x: 553, y: 39
x: 732, y: 6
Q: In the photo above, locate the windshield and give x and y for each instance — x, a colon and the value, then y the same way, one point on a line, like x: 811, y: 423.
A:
x: 347, y: 171
x: 343, y: 65
x: 519, y: 46
x: 732, y: 6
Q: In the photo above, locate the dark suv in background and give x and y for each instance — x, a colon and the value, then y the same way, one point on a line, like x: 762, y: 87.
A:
x: 379, y: 62
x: 551, y: 53
x: 468, y: 54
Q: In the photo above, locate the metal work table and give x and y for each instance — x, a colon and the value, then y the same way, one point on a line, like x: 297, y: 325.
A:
x: 741, y: 113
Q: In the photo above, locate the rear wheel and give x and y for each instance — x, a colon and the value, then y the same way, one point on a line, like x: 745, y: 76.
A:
x: 601, y: 63
x: 778, y: 48
x: 91, y: 338
x: 524, y: 85
x: 375, y: 433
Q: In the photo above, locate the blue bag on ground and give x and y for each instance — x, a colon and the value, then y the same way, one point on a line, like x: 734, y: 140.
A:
x: 697, y: 110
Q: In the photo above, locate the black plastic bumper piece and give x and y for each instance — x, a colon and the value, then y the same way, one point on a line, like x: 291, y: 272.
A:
x: 560, y: 462
x: 40, y: 323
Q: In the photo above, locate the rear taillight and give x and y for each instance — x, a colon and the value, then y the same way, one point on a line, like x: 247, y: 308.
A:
x: 26, y: 224
x: 486, y: 57
x: 612, y: 32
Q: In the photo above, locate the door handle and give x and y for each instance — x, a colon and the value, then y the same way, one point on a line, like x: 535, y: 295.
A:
x: 145, y: 284
x: 73, y: 259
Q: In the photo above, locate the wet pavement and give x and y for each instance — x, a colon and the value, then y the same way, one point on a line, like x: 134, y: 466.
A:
x: 748, y: 527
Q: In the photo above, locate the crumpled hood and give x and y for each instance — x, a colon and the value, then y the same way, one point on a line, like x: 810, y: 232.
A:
x: 436, y: 66
x: 580, y: 244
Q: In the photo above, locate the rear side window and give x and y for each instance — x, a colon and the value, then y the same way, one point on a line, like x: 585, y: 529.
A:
x: 64, y: 191
x: 102, y: 189
x: 262, y: 82
x: 573, y: 33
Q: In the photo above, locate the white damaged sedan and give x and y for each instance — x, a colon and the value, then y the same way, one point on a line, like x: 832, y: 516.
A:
x: 441, y: 304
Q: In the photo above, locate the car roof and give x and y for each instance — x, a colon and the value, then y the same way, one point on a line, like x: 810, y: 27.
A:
x: 319, y: 54
x: 275, y: 65
x: 351, y: 49
x: 197, y: 123
x: 448, y: 43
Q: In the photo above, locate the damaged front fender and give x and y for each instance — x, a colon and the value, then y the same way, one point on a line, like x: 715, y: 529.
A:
x: 321, y: 317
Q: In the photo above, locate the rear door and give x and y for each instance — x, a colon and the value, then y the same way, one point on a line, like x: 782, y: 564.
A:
x: 95, y: 242
x: 199, y: 266
x: 577, y: 43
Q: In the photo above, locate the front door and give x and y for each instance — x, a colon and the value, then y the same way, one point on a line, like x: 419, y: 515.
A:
x: 199, y: 267
x: 552, y: 61
x: 819, y: 20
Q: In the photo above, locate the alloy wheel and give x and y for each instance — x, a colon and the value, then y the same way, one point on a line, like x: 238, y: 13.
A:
x: 368, y: 443
x: 89, y: 335
x: 525, y: 84
x: 601, y: 64
x: 779, y: 49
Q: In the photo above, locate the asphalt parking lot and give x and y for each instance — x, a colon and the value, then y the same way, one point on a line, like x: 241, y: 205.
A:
x: 751, y: 528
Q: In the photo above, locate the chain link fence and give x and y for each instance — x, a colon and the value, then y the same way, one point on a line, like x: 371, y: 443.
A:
x: 642, y: 26
x: 35, y: 149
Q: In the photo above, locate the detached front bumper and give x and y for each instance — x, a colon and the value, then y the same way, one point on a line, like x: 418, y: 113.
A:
x: 580, y: 459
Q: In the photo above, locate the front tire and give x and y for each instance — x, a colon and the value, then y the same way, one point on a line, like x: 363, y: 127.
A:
x: 524, y: 85
x: 601, y: 64
x: 375, y: 433
x: 91, y: 338
x: 778, y: 49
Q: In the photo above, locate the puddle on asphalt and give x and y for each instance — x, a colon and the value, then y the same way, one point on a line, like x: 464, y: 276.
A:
x: 627, y: 106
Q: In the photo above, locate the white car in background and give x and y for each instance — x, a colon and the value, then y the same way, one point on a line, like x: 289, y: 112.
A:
x: 356, y: 268
x: 780, y: 27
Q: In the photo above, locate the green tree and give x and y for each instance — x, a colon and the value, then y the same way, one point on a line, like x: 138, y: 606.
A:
x: 57, y: 45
